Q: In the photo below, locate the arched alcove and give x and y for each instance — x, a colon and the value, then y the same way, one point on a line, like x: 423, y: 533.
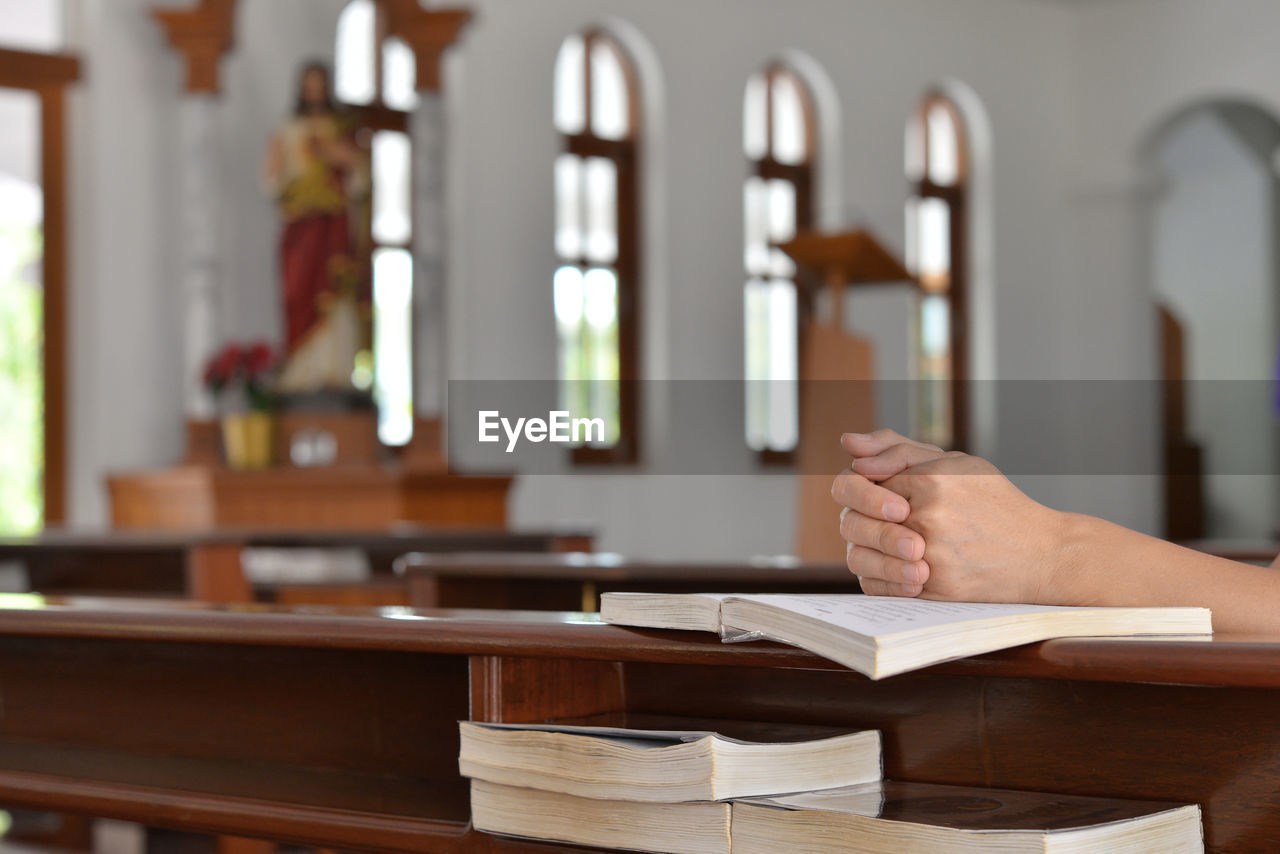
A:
x: 1211, y: 227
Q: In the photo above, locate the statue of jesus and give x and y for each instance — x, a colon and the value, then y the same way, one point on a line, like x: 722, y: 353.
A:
x: 319, y: 177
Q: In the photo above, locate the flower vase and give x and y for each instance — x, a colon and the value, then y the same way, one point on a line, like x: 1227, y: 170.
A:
x: 246, y: 439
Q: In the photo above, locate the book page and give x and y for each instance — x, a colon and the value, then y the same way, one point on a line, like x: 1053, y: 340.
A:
x: 876, y: 616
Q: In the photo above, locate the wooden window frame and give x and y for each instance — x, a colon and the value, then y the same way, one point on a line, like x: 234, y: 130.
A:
x: 376, y: 116
x: 48, y: 75
x: 800, y: 175
x: 956, y: 196
x: 625, y: 155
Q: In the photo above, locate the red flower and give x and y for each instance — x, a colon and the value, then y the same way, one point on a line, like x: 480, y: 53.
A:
x: 229, y: 361
x: 211, y: 377
x: 258, y: 359
x: 221, y: 367
x: 248, y: 363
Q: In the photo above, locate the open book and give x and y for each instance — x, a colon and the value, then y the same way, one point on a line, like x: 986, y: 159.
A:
x: 881, y: 636
x: 892, y: 816
x: 662, y: 766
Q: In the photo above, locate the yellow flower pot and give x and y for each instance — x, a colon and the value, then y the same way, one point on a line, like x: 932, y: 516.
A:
x: 246, y: 439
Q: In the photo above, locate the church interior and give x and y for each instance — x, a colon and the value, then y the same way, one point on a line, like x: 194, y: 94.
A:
x: 350, y: 348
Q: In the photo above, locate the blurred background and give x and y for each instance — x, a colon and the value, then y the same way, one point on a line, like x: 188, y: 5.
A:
x: 595, y: 193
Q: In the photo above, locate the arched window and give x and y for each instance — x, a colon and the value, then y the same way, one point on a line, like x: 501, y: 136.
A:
x: 596, y: 282
x: 937, y: 167
x: 375, y: 81
x: 778, y: 138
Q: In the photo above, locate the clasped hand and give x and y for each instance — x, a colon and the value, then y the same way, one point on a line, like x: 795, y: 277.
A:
x: 920, y: 521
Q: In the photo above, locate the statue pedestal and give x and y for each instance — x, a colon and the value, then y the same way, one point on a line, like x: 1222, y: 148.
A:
x: 360, y: 490
x: 347, y: 498
x: 426, y: 451
x: 339, y: 438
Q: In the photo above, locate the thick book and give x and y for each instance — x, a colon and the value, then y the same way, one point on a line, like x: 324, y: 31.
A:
x: 881, y: 636
x: 894, y: 816
x: 868, y: 819
x: 664, y: 765
x: 681, y: 828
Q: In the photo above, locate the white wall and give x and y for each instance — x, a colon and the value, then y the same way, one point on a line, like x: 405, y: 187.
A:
x: 1136, y: 64
x: 125, y: 392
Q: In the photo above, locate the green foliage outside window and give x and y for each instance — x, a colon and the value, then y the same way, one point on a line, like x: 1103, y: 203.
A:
x: 21, y: 388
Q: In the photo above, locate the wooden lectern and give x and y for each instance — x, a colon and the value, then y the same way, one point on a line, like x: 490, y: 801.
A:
x: 837, y: 394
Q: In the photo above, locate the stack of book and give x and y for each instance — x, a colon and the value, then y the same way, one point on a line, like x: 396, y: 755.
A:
x: 699, y: 792
x: 757, y: 789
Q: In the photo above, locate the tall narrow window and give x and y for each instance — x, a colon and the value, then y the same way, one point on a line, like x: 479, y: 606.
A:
x: 937, y: 168
x: 778, y: 134
x: 596, y: 282
x: 21, y: 315
x: 33, y: 270
x: 374, y: 77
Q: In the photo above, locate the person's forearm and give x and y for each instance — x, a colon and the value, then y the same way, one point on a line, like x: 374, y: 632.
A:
x: 1101, y: 563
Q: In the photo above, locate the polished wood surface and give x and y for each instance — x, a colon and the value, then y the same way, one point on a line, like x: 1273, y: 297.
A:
x: 1225, y: 661
x: 337, y: 727
x: 364, y: 497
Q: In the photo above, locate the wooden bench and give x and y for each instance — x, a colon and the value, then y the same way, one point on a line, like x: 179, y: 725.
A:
x: 337, y: 727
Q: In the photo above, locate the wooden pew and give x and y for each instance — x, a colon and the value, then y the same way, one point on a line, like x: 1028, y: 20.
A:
x: 337, y: 728
x: 206, y: 564
x: 574, y: 581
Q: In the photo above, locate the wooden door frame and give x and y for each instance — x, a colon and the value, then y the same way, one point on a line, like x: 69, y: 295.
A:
x: 48, y: 75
